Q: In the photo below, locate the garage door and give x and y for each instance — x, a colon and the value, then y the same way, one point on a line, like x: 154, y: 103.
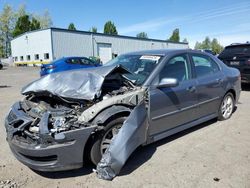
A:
x: 104, y: 52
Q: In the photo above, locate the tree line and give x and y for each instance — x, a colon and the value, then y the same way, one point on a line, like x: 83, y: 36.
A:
x: 16, y: 22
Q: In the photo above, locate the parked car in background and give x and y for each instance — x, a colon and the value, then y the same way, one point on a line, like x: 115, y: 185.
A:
x: 1, y: 65
x: 238, y: 56
x: 68, y: 63
x: 77, y: 113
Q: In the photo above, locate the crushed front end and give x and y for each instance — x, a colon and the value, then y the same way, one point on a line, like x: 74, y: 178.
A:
x: 47, y: 137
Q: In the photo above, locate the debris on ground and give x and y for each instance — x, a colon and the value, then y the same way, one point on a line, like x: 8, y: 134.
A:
x: 8, y: 184
x: 216, y: 179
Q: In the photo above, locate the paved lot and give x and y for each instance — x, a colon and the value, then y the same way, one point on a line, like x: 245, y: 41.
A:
x: 214, y: 154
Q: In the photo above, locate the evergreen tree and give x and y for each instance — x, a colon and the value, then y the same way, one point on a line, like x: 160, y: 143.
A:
x: 71, y: 26
x: 142, y: 35
x: 175, y: 36
x: 110, y: 28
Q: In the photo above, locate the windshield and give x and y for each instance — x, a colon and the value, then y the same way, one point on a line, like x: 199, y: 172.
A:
x: 140, y: 66
x: 231, y: 51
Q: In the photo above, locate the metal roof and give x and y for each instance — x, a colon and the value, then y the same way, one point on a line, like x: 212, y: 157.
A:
x: 100, y: 34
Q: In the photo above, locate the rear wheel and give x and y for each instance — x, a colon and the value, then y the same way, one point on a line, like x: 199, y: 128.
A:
x: 226, y: 107
x: 102, y: 141
x: 1, y: 66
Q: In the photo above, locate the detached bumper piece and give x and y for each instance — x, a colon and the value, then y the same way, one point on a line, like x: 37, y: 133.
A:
x: 131, y: 135
x: 64, y: 151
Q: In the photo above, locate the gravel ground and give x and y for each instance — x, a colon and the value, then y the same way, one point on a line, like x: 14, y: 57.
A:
x: 214, y: 154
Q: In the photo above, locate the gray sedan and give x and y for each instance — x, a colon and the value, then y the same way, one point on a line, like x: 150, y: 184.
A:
x: 105, y: 113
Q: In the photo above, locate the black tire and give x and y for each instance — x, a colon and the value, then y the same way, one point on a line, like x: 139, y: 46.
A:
x: 97, y: 150
x: 1, y: 66
x: 230, y: 107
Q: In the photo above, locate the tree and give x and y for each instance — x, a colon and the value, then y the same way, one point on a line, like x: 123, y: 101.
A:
x: 175, y: 36
x: 216, y: 47
x: 35, y: 24
x: 23, y: 25
x: 142, y: 35
x: 45, y: 20
x: 206, y: 44
x: 21, y: 11
x: 7, y: 19
x: 93, y: 30
x: 185, y: 40
x: 71, y: 26
x: 197, y: 45
x: 110, y: 28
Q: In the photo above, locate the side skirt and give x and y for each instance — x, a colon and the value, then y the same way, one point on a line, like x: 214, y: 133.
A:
x: 156, y: 137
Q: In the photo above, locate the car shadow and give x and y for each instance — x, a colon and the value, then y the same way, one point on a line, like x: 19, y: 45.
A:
x: 138, y: 158
x: 245, y: 87
x: 87, y: 169
x: 143, y: 154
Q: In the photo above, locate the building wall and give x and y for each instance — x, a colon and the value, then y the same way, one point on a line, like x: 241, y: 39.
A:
x: 61, y: 43
x: 32, y: 43
x: 71, y: 43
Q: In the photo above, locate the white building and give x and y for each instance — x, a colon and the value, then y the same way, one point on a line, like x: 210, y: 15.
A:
x: 45, y: 45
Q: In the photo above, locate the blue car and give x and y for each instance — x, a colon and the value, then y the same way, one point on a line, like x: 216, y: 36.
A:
x: 67, y: 63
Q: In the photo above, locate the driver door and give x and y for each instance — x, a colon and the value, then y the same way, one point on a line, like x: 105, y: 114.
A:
x: 171, y: 107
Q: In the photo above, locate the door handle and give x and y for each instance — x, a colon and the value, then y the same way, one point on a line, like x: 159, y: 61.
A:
x: 191, y: 89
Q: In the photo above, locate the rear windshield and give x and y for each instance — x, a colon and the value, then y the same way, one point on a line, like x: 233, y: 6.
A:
x: 242, y: 50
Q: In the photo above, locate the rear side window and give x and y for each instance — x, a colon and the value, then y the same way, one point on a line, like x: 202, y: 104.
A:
x: 204, y: 65
x: 84, y: 61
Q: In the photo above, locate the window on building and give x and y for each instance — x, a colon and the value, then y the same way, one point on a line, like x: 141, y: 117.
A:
x: 46, y: 56
x: 36, y: 56
x: 21, y: 58
x: 28, y: 57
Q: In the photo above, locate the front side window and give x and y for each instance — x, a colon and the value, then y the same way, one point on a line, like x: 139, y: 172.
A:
x: 73, y: 61
x: 177, y: 67
x: 204, y: 65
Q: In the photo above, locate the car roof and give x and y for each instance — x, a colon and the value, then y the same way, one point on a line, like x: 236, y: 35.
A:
x: 162, y: 52
x: 238, y: 44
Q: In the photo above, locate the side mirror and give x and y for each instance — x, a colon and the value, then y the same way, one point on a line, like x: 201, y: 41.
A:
x: 168, y: 82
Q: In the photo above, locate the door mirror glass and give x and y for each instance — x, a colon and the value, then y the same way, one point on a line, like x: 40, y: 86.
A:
x: 168, y: 82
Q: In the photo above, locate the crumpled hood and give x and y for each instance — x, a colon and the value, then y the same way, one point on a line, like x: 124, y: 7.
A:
x: 82, y: 84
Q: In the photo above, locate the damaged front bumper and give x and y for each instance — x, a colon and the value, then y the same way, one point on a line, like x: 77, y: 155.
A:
x: 63, y: 154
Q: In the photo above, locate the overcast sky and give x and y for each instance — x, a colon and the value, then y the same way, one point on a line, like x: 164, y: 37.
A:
x: 227, y: 20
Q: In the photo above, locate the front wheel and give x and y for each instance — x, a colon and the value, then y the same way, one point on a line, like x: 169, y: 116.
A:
x: 102, y: 141
x: 226, y: 107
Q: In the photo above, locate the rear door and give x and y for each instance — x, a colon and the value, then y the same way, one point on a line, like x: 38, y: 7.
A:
x: 210, y: 81
x: 174, y: 106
